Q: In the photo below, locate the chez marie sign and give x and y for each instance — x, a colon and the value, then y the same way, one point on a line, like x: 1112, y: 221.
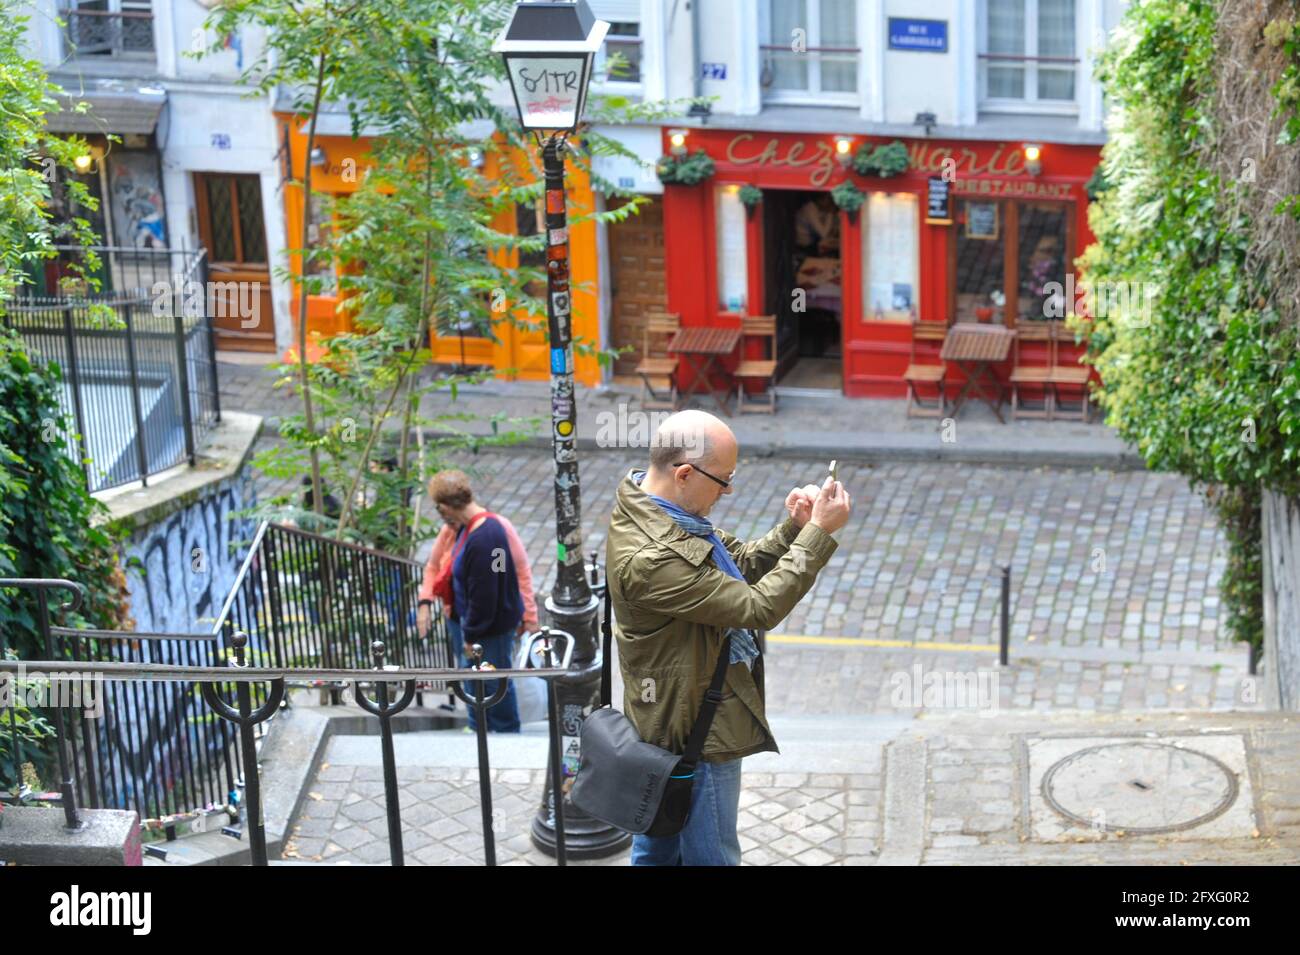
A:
x: 959, y: 165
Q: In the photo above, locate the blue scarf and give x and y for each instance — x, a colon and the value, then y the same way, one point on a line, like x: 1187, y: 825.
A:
x: 743, y: 648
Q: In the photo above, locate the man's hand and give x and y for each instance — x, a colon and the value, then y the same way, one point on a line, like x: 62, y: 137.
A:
x: 831, y: 510
x: 422, y: 620
x: 799, y: 503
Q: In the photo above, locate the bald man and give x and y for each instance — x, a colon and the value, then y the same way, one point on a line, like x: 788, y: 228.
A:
x: 679, y: 589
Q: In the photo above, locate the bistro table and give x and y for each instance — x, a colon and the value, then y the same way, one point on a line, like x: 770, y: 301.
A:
x: 701, y: 348
x: 973, y: 348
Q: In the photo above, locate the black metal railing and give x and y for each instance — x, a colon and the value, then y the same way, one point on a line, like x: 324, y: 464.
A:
x: 302, y: 600
x: 138, y: 360
x: 239, y: 698
x: 306, y: 600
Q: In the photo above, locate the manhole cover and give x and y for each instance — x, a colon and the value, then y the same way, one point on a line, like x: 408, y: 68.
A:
x: 1139, y: 787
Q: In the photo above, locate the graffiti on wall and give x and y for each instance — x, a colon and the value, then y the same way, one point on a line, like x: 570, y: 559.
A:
x: 181, y: 569
x: 135, y: 188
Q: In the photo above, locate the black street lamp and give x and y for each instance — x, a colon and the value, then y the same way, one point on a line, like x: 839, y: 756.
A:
x: 548, y: 48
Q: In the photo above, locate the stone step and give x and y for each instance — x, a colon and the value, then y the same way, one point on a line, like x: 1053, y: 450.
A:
x: 821, y: 744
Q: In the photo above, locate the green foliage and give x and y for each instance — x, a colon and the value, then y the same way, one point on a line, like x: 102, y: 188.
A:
x: 885, y: 160
x: 23, y: 728
x: 29, y: 160
x: 1201, y: 371
x: 50, y: 526
x: 848, y: 197
x: 1284, y: 32
x: 685, y: 170
x: 751, y: 196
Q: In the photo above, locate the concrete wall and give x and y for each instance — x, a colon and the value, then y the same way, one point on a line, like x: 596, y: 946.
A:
x: 181, y: 568
x: 1281, y: 559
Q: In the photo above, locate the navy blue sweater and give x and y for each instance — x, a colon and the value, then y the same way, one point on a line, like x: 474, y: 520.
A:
x: 485, y: 584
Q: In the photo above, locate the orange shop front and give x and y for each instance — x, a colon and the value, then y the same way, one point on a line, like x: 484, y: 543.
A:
x: 514, y: 349
x: 847, y: 289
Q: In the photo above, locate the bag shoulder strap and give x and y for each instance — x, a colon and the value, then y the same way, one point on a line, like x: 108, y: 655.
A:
x: 469, y: 528
x: 606, y: 656
x: 712, y: 697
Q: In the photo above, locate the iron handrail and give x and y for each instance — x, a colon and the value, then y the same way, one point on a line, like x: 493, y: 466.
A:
x: 254, y: 548
x: 67, y: 670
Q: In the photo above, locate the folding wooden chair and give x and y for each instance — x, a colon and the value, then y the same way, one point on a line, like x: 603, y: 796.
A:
x: 1036, y: 375
x: 926, y: 374
x: 757, y: 369
x: 658, y: 370
x: 1071, y: 375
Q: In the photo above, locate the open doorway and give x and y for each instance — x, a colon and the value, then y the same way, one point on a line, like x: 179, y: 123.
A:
x: 803, y: 269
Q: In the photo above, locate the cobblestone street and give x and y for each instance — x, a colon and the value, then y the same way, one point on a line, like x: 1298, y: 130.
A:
x: 1114, y: 621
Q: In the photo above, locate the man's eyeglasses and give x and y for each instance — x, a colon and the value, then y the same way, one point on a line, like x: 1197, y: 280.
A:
x: 716, y: 480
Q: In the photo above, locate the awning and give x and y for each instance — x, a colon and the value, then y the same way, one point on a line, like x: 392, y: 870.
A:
x: 112, y: 110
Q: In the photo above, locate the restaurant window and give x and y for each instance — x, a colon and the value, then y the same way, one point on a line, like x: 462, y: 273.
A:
x: 1031, y: 273
x: 889, y: 255
x: 811, y: 50
x: 1042, y: 258
x: 733, y: 272
x: 1027, y: 54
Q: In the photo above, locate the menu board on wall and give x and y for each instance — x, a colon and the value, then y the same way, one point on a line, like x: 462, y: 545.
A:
x: 733, y: 264
x: 938, y: 208
x: 890, y: 250
x: 981, y: 220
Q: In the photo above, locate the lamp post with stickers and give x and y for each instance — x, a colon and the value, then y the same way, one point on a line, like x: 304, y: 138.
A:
x: 548, y: 48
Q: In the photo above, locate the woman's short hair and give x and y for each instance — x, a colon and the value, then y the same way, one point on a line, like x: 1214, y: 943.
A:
x: 451, y: 489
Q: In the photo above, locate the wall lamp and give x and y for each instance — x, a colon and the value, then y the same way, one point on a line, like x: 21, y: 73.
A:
x: 1033, y: 158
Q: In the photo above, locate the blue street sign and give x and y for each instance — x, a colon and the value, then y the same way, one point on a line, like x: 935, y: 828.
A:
x: 918, y: 36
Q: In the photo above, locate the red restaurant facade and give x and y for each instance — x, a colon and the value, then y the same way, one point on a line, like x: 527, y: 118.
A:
x: 847, y: 288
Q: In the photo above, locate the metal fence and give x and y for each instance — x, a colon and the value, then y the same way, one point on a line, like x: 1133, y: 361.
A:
x: 307, y: 600
x: 300, y: 600
x: 138, y: 361
x: 207, y: 748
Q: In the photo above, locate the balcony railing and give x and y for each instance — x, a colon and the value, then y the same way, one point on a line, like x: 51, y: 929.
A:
x: 108, y: 32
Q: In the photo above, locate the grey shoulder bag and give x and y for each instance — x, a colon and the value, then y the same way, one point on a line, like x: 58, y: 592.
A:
x: 630, y: 784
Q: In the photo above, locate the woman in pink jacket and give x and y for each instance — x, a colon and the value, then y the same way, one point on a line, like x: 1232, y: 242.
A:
x: 441, y: 555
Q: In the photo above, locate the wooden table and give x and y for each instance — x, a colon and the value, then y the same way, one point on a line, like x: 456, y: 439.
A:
x: 701, y: 348
x: 973, y: 348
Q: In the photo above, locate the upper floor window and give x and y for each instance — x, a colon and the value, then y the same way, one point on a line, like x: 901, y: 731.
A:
x: 810, y: 51
x: 1027, y: 54
x: 109, y: 27
x: 624, y: 38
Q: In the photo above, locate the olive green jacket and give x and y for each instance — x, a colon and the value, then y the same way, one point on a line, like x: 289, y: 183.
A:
x: 673, y: 606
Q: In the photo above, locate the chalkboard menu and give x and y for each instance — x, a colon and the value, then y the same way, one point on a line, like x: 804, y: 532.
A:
x: 938, y: 208
x: 981, y: 220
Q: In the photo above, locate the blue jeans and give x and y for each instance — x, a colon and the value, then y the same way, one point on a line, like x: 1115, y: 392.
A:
x: 504, y: 717
x: 709, y: 837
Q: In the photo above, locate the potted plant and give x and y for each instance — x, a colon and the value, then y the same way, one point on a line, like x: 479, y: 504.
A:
x: 849, y: 198
x: 750, y: 196
x: 881, y: 160
x: 984, y: 313
x: 684, y: 170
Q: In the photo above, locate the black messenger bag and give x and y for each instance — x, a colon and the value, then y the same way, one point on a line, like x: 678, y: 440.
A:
x: 630, y: 784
